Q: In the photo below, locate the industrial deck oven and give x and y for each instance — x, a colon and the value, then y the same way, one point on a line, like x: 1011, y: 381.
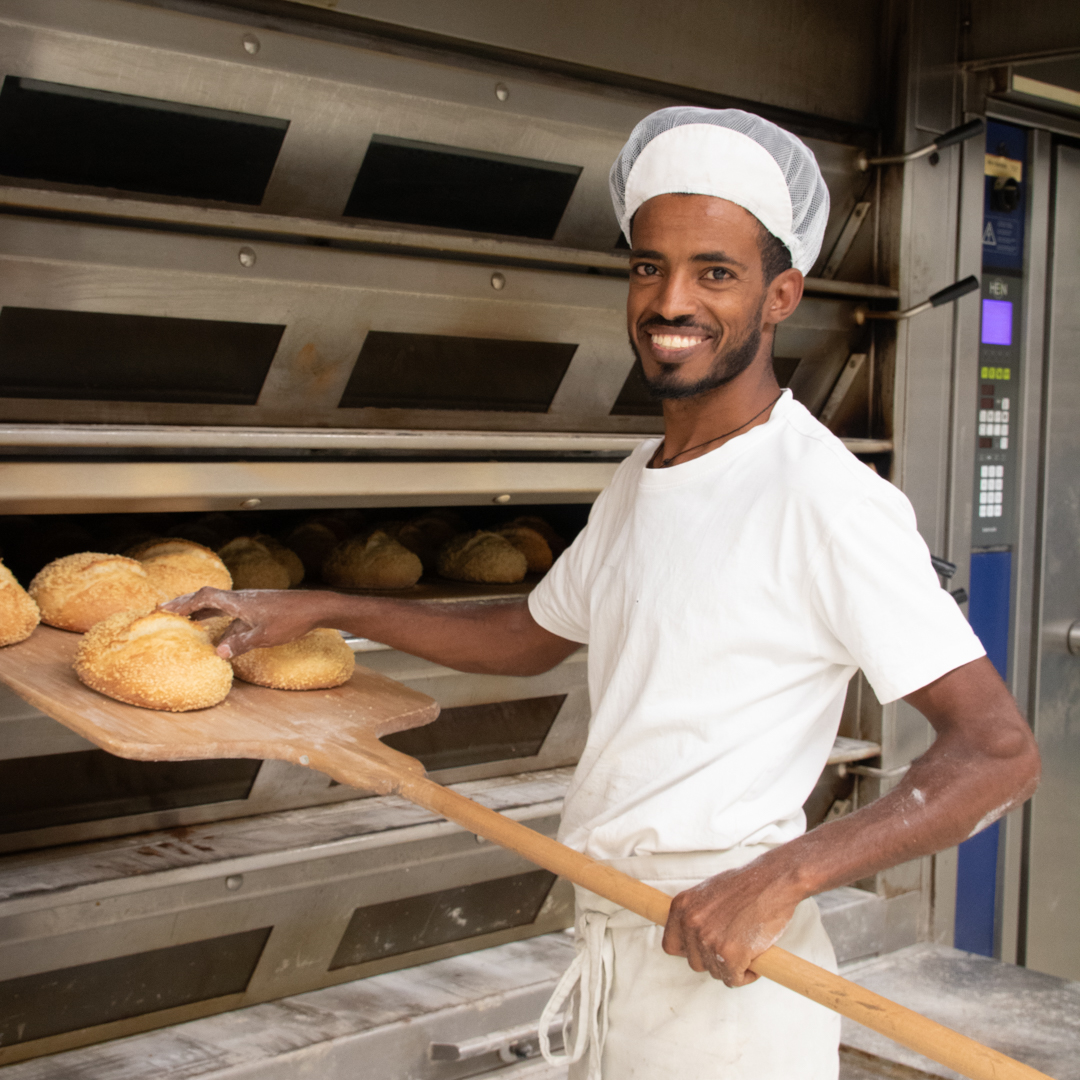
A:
x: 263, y: 270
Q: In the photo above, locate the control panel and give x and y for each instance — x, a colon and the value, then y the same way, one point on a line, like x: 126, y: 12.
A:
x: 996, y: 450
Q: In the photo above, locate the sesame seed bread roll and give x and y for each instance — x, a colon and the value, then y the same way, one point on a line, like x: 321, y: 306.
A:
x: 156, y: 661
x: 252, y: 566
x: 317, y: 661
x: 288, y: 558
x: 532, y: 545
x: 376, y: 561
x: 178, y: 567
x: 19, y: 614
x: 312, y: 542
x: 557, y: 544
x: 483, y: 557
x: 77, y: 591
x: 425, y: 536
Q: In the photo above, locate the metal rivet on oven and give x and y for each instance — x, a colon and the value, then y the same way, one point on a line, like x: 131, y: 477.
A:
x: 498, y: 281
x: 251, y: 44
x: 250, y: 504
x: 247, y: 256
x: 501, y: 499
x: 234, y: 881
x: 305, y: 760
x: 502, y: 91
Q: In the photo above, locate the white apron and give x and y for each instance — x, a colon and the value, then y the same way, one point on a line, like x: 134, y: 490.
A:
x: 639, y: 1014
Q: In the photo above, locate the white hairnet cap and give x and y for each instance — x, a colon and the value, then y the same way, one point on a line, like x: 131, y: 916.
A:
x: 732, y: 155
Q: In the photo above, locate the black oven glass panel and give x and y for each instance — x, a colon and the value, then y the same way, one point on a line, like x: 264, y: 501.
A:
x: 421, y: 922
x: 37, y: 1006
x: 445, y: 187
x: 91, y: 785
x: 92, y: 138
x: 433, y: 371
x: 98, y: 356
x: 473, y: 734
x: 634, y: 398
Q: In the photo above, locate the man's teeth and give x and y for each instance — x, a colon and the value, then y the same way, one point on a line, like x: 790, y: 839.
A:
x: 673, y: 341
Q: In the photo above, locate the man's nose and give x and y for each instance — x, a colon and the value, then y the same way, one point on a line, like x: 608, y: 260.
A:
x: 675, y: 299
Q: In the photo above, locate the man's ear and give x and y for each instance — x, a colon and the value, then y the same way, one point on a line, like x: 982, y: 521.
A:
x: 783, y: 296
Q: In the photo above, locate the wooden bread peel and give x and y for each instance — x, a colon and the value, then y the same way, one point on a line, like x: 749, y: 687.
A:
x: 337, y: 732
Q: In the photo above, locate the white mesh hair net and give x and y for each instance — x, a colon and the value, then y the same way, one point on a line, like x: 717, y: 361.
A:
x: 732, y: 155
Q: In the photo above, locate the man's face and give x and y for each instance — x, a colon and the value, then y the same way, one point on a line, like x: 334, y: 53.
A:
x: 697, y: 302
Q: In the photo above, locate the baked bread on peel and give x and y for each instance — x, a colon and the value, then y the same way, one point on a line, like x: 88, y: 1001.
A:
x: 77, y: 591
x: 19, y: 614
x: 317, y: 661
x: 155, y: 660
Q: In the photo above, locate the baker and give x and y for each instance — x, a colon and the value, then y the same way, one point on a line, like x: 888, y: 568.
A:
x: 730, y: 581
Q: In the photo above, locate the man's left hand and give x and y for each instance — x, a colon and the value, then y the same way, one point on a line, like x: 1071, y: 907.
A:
x: 721, y: 925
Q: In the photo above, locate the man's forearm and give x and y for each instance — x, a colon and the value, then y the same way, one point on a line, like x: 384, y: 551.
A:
x: 949, y: 794
x: 498, y: 637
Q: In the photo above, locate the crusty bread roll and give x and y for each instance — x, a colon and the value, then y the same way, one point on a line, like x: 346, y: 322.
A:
x: 557, y: 544
x: 426, y: 536
x: 252, y: 566
x: 288, y: 558
x: 375, y: 561
x: 19, y: 614
x: 178, y: 566
x: 77, y: 591
x: 316, y: 661
x: 532, y: 545
x: 155, y: 660
x: 484, y: 557
x: 313, y: 541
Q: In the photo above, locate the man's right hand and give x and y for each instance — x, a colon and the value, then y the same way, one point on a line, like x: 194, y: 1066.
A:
x: 261, y: 617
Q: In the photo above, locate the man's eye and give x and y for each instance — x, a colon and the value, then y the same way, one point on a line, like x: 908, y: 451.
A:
x: 645, y: 269
x: 717, y: 273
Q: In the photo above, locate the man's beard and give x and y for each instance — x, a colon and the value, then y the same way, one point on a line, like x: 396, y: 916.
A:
x: 731, y: 362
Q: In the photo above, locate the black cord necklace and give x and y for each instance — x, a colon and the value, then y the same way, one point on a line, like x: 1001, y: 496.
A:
x: 665, y: 462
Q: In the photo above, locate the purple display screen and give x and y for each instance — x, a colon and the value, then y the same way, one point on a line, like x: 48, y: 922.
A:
x: 997, y: 322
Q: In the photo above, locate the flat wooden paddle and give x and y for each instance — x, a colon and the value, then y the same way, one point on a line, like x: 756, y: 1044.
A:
x: 337, y: 732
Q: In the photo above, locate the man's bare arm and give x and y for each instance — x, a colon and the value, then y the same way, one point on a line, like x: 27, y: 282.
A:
x: 498, y: 638
x: 983, y: 763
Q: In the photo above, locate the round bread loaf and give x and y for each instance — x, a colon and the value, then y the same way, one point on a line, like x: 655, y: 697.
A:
x: 77, y: 591
x: 313, y: 542
x: 532, y: 545
x: 317, y: 661
x: 252, y: 566
x: 375, y: 561
x: 483, y: 557
x: 425, y: 536
x: 554, y: 541
x: 178, y: 566
x: 19, y: 614
x: 156, y: 660
x: 288, y: 558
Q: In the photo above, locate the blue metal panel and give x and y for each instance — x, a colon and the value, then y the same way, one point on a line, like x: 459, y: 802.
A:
x: 988, y: 608
x: 976, y: 873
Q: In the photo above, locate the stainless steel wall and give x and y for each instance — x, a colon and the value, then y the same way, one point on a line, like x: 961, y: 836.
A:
x: 770, y: 53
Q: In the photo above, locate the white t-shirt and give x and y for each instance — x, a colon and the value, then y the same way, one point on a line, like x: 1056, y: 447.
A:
x: 726, y: 602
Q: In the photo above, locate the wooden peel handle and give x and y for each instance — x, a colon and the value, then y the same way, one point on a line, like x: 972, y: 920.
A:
x: 906, y: 1027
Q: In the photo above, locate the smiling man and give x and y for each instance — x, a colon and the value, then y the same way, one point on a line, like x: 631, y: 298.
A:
x: 730, y: 581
